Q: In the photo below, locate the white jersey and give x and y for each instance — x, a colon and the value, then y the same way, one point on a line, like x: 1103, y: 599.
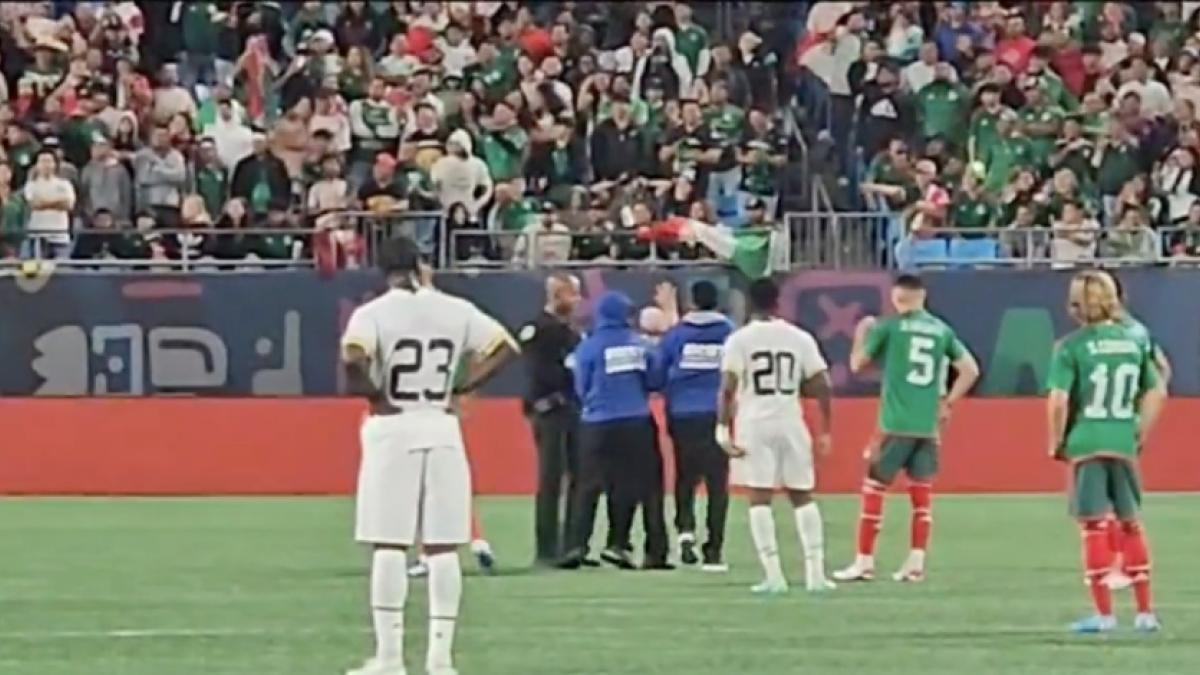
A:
x: 770, y: 359
x: 416, y: 341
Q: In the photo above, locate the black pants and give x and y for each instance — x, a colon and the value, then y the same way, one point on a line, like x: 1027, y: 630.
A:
x: 698, y: 457
x: 556, y: 434
x: 621, y: 459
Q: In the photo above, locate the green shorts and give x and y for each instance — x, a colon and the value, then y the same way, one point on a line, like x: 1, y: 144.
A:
x: 1105, y: 485
x: 917, y: 456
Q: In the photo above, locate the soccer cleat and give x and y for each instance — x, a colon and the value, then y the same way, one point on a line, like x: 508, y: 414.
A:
x: 1146, y: 623
x: 377, y: 667
x: 769, y: 588
x: 820, y: 585
x: 1117, y: 580
x: 1094, y: 624
x: 484, y: 556
x: 855, y: 572
x: 618, y: 558
x: 418, y: 570
x: 913, y: 569
x: 687, y: 550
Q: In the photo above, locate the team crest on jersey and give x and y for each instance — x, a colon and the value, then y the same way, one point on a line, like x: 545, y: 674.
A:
x: 625, y: 359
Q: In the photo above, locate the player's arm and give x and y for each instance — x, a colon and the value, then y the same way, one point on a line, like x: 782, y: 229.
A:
x: 1163, y: 364
x: 732, y: 363
x: 1059, y: 383
x: 966, y: 373
x: 819, y: 387
x: 491, y: 348
x: 1154, y: 396
x: 869, y: 336
x: 360, y: 344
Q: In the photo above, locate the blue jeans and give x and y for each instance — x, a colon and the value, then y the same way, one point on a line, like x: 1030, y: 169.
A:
x: 36, y: 248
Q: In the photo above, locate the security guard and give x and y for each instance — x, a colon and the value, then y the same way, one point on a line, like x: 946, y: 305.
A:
x: 553, y: 412
x: 615, y: 372
x: 691, y: 358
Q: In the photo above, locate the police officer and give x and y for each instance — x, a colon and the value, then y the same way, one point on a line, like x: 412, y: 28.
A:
x: 691, y: 359
x: 553, y: 412
x: 615, y: 372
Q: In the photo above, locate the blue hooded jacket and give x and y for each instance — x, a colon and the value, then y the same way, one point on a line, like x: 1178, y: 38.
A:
x: 691, y: 359
x: 615, y: 369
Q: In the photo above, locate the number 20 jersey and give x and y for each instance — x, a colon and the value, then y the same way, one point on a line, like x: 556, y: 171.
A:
x: 771, y: 359
x: 1104, y: 369
x: 914, y: 351
x: 417, y: 340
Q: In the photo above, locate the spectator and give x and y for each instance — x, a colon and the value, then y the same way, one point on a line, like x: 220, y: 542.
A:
x: 1132, y: 238
x: 905, y: 38
x: 383, y: 192
x: 943, y: 104
x: 1074, y: 236
x: 375, y: 126
x: 234, y: 140
x: 211, y: 177
x: 1011, y: 152
x: 1178, y: 181
x: 1023, y: 237
x: 160, y: 173
x: 105, y: 185
x: 50, y: 199
x: 461, y: 178
x: 617, y: 145
x: 883, y: 113
x: 504, y: 147
x: 14, y: 211
x: 972, y: 211
x: 261, y: 180
x: 545, y: 240
x: 762, y: 154
x: 1184, y: 242
x: 916, y: 75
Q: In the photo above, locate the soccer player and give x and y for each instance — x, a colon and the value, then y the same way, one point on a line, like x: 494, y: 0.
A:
x: 915, y: 349
x: 401, y: 352
x: 1117, y: 579
x: 766, y: 364
x: 1105, y: 395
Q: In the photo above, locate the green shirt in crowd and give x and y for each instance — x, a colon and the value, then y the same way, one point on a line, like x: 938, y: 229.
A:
x: 1119, y: 164
x: 690, y: 42
x: 943, y: 105
x: 1042, y: 144
x: 212, y: 183
x: 984, y: 135
x: 972, y: 213
x: 1008, y: 155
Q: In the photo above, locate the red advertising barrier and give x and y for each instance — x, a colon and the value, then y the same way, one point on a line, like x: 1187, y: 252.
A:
x: 310, y: 446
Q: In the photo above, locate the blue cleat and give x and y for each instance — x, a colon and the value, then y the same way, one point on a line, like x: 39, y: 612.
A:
x: 1094, y: 624
x: 1146, y: 623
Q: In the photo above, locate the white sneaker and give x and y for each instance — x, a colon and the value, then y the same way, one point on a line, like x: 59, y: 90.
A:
x: 820, y: 585
x: 1117, y: 580
x: 856, y: 571
x: 714, y: 568
x: 913, y: 569
x: 769, y: 588
x: 376, y: 667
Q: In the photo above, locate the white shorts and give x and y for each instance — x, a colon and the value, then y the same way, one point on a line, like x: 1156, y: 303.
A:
x: 408, y: 494
x: 777, y: 456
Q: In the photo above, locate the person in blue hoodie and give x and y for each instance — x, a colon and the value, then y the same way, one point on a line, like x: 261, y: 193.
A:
x: 615, y: 371
x: 690, y: 354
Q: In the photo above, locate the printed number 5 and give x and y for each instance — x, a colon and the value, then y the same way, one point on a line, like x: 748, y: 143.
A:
x: 920, y: 358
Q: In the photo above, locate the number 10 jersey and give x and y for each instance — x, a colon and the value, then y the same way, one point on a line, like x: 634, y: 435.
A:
x: 914, y: 351
x: 771, y: 359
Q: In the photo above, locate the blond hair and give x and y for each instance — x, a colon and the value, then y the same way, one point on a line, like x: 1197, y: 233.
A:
x: 1094, y: 297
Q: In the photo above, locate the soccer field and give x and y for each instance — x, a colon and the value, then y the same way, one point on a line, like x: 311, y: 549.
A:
x: 274, y: 586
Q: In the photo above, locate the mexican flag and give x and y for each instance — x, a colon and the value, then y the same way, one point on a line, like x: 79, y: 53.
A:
x: 753, y: 251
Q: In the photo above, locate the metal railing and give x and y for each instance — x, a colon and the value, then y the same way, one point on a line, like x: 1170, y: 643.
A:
x: 199, y: 249
x: 828, y: 239
x: 484, y: 249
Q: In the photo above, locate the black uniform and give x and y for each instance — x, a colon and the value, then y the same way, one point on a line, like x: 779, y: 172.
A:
x: 553, y: 414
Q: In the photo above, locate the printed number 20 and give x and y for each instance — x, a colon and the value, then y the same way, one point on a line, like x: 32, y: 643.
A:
x: 920, y: 358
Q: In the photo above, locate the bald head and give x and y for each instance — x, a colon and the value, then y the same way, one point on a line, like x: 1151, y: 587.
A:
x: 562, y: 294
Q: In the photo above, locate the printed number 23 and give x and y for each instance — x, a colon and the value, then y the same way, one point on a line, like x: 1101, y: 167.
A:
x: 920, y: 358
x: 413, y: 362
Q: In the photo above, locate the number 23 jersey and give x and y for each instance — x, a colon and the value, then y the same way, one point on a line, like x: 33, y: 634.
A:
x: 1104, y: 369
x: 417, y: 340
x: 914, y: 351
x: 771, y: 359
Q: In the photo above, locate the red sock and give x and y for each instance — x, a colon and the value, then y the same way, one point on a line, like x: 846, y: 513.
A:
x: 1116, y: 540
x: 870, y: 518
x: 1137, y: 563
x: 476, y: 528
x: 1097, y: 560
x: 921, y: 496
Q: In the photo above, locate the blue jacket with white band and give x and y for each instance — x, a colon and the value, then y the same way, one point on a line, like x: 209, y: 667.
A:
x: 615, y: 369
x: 691, y: 359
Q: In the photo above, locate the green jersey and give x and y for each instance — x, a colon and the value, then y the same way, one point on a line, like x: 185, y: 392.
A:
x: 915, y: 351
x: 1104, y: 370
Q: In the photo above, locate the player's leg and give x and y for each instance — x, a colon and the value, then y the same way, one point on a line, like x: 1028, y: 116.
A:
x: 620, y: 452
x: 446, y: 524
x: 1117, y: 579
x: 890, y: 454
x: 479, y: 544
x: 799, y: 477
x: 687, y: 450
x: 758, y: 471
x: 922, y: 467
x: 1090, y: 504
x: 1127, y: 497
x: 386, y: 518
x: 716, y: 482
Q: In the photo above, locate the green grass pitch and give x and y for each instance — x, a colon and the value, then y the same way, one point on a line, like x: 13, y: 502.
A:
x: 274, y: 587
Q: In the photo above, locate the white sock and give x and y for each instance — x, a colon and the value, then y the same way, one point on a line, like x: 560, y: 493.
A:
x: 445, y: 594
x: 916, y: 559
x: 762, y: 528
x: 812, y: 540
x: 389, y: 591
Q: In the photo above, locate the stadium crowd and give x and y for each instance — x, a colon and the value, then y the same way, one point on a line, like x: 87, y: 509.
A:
x: 1007, y: 120
x: 125, y: 124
